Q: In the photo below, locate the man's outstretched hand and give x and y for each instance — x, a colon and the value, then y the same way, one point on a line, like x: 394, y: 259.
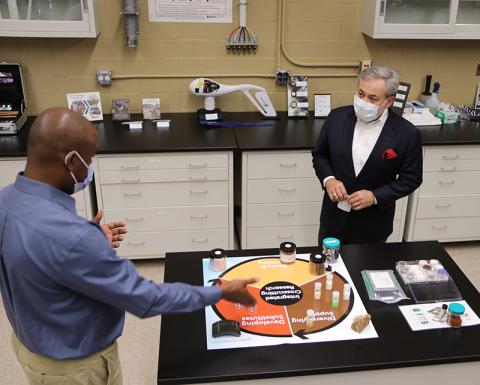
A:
x: 113, y: 231
x: 236, y: 291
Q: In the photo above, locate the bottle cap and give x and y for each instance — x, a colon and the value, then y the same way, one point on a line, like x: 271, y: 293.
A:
x: 434, y: 262
x: 310, y: 313
x: 456, y: 308
x: 317, y: 258
x: 318, y: 285
x: 217, y: 253
x: 335, y: 295
x: 287, y: 247
x: 331, y: 243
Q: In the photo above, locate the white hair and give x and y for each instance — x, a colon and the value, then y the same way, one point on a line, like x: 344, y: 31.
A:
x: 382, y: 72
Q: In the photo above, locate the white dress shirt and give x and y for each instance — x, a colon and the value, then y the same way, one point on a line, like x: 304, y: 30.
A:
x: 364, y: 138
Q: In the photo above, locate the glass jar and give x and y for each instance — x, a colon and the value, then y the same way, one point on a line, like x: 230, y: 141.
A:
x: 288, y: 252
x: 317, y: 264
x: 455, y: 312
x: 331, y: 249
x: 218, y: 260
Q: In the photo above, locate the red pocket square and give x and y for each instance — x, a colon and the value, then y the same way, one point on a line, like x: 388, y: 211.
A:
x: 389, y: 153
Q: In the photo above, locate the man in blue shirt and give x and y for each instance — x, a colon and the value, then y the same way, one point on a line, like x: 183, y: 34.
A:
x: 64, y: 289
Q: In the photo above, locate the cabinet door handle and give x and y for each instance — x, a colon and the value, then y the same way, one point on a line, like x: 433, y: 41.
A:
x: 141, y: 243
x: 203, y: 165
x: 195, y: 192
x: 199, y: 216
x: 446, y: 182
x: 443, y: 205
x: 443, y: 169
x: 382, y: 8
x: 136, y: 219
x: 294, y: 164
x: 292, y: 189
x: 205, y: 240
x: 131, y: 180
x: 446, y: 157
x: 132, y: 195
x: 286, y: 214
x: 129, y: 168
x: 439, y: 227
x: 200, y: 179
x: 285, y: 236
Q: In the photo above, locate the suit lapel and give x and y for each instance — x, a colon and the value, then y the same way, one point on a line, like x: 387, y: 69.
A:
x: 350, y: 129
x: 383, y: 142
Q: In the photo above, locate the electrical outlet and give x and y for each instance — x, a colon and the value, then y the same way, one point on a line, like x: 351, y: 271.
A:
x: 281, y: 77
x: 478, y: 69
x: 364, y: 64
x: 104, y: 77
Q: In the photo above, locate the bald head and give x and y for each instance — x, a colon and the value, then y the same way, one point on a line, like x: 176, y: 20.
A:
x: 56, y: 132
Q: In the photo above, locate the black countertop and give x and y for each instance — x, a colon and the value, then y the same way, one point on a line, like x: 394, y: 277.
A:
x: 185, y: 134
x: 184, y: 358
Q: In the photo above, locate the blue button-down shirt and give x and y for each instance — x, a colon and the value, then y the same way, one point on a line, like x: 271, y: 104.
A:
x: 64, y: 288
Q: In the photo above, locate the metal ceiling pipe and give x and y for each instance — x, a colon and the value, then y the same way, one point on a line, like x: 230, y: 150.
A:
x: 131, y: 14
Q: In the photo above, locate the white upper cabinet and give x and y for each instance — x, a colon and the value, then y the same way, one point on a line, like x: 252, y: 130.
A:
x: 422, y: 19
x: 49, y: 18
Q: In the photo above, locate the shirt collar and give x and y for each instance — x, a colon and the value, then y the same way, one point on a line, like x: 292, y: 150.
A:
x: 44, y: 190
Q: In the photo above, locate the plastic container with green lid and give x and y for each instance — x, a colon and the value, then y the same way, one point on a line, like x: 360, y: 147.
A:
x: 331, y: 249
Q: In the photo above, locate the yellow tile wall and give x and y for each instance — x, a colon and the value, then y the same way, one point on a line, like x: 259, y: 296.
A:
x: 316, y: 30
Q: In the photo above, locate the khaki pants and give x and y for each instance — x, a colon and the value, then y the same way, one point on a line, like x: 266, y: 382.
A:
x: 102, y: 368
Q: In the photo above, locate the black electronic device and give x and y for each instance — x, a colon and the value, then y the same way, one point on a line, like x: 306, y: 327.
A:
x: 13, y: 106
x: 226, y: 328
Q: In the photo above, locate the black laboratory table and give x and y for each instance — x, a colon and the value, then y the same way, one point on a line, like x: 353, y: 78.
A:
x: 439, y: 356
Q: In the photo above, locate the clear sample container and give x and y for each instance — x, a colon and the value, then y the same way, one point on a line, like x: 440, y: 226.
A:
x: 331, y: 249
x: 218, y: 260
x: 288, y: 252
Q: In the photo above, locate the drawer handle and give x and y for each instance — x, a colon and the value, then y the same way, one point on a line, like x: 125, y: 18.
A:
x: 137, y: 219
x: 205, y: 217
x: 136, y: 243
x: 131, y: 180
x: 194, y: 192
x: 132, y: 195
x: 439, y: 228
x: 284, y: 236
x: 202, y: 179
x: 129, y: 168
x: 294, y: 164
x: 448, y: 182
x: 287, y: 189
x: 443, y: 205
x: 203, y: 165
x: 286, y: 214
x: 448, y: 169
x: 205, y: 240
x: 446, y: 157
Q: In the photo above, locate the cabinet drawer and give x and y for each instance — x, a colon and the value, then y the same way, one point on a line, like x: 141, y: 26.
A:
x: 9, y: 170
x: 284, y: 214
x: 452, y: 153
x: 157, y: 162
x: 439, y: 183
x: 446, y: 228
x: 284, y: 165
x: 169, y: 175
x: 156, y: 244
x: 448, y: 206
x: 171, y: 218
x: 164, y: 194
x: 260, y: 237
x: 284, y: 190
x: 449, y: 166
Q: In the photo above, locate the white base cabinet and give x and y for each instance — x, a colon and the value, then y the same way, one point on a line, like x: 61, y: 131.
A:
x: 10, y: 167
x: 170, y: 202
x: 446, y: 207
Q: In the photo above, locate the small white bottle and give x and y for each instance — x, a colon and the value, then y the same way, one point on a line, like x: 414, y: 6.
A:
x: 329, y: 283
x: 310, y: 318
x: 317, y: 293
x: 335, y: 299
x: 346, y: 292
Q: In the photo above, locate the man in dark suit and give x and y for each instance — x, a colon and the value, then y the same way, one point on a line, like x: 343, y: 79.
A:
x: 366, y: 158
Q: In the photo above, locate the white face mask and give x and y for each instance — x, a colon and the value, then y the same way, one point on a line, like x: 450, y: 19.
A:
x: 79, y: 186
x: 366, y: 111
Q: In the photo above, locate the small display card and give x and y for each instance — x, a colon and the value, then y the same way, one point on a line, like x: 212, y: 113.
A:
x: 322, y: 105
x: 120, y: 109
x: 87, y: 104
x: 151, y: 108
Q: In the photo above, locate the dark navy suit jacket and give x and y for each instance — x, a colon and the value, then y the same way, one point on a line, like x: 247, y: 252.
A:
x: 389, y: 177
